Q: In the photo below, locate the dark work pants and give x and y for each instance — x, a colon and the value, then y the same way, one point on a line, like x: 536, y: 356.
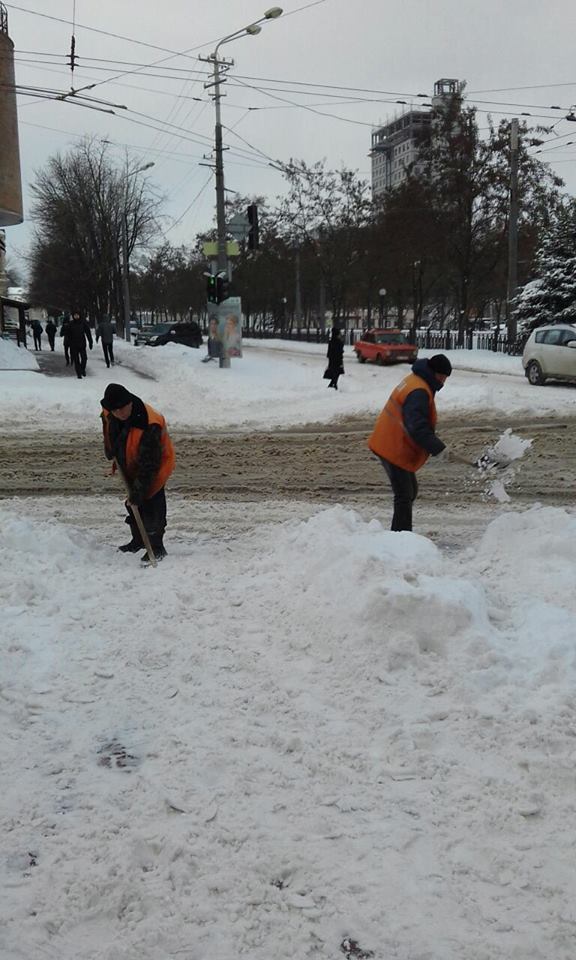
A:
x: 67, y: 353
x: 108, y: 353
x: 153, y: 513
x: 405, y: 490
x: 51, y: 341
x: 37, y: 341
x: 79, y: 359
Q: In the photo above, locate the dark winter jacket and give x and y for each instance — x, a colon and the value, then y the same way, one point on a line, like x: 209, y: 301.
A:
x: 51, y: 329
x: 335, y: 356
x: 149, y: 451
x: 37, y: 327
x: 105, y: 331
x: 65, y: 331
x: 78, y: 333
x: 416, y: 411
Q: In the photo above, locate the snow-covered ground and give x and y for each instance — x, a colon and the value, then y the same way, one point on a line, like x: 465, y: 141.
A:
x: 273, y: 385
x: 300, y: 730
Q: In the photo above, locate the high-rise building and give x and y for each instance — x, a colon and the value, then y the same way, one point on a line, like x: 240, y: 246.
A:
x: 397, y: 145
x: 10, y: 186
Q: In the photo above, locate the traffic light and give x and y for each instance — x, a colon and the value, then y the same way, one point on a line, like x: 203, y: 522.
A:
x: 222, y: 288
x: 211, y: 289
x: 217, y: 288
x: 252, y: 214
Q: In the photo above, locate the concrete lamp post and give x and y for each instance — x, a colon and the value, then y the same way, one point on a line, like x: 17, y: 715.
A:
x: 125, y: 259
x: 249, y: 31
x: 382, y: 294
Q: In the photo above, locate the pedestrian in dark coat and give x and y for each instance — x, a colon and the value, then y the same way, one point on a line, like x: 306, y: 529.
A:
x: 404, y: 436
x: 78, y: 333
x: 51, y: 331
x: 64, y: 333
x: 37, y: 332
x: 105, y: 332
x: 335, y: 356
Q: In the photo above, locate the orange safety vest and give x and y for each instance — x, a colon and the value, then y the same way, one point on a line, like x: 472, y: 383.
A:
x: 390, y: 438
x: 168, y: 460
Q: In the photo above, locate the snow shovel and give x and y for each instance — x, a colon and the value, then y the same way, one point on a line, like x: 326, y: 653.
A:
x: 137, y: 517
x: 485, y: 462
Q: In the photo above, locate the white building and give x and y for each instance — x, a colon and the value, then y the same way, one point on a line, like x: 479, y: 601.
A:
x: 397, y: 144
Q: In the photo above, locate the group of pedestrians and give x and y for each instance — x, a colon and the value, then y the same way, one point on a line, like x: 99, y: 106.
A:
x: 77, y: 339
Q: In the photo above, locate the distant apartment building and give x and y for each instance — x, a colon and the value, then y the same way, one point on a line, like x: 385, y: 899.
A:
x: 396, y: 146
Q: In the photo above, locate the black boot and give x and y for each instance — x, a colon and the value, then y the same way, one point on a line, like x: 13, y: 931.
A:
x: 158, y: 549
x: 133, y: 547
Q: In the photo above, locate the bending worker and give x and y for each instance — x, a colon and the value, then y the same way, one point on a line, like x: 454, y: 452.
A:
x: 404, y: 435
x: 137, y: 439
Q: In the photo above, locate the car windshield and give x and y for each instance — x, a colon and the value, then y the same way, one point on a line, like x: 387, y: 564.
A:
x: 390, y: 338
x: 159, y: 328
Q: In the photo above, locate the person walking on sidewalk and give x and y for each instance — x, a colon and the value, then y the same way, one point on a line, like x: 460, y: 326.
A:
x: 335, y: 356
x: 404, y: 435
x: 51, y: 332
x: 78, y: 333
x: 37, y: 332
x: 64, y: 333
x: 105, y: 333
x: 136, y: 438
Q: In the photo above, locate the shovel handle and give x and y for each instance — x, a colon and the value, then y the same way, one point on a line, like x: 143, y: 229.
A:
x: 138, y: 518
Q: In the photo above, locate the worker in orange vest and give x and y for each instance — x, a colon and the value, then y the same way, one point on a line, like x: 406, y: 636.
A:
x: 136, y: 439
x: 404, y: 435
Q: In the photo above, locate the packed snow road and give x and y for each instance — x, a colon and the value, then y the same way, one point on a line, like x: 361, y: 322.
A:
x: 321, y: 463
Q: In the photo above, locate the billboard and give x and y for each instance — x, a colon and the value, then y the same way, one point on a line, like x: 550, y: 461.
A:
x: 230, y: 326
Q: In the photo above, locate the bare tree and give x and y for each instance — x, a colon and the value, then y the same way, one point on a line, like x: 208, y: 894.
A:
x: 80, y: 201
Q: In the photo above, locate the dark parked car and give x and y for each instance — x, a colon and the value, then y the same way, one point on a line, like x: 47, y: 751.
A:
x: 144, y: 334
x: 188, y: 334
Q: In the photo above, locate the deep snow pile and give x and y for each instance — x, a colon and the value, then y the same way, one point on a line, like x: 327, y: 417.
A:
x: 13, y: 357
x: 314, y: 731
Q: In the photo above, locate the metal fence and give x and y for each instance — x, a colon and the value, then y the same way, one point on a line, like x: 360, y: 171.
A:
x: 448, y: 340
x: 428, y: 340
x: 310, y: 335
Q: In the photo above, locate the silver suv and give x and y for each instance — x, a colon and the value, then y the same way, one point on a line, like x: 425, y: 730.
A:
x: 550, y: 352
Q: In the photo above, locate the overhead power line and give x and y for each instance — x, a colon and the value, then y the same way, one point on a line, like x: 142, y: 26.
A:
x: 105, y: 33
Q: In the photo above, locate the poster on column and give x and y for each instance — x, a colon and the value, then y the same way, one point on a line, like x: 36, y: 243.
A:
x: 230, y: 326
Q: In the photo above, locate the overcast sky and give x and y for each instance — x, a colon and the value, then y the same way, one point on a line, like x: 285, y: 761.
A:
x: 517, y: 54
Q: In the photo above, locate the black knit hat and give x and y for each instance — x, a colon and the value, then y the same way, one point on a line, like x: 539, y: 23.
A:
x: 115, y: 396
x: 440, y: 364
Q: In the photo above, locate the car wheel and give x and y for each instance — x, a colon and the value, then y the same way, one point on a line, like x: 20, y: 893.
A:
x: 534, y: 374
x: 379, y: 359
x: 360, y: 358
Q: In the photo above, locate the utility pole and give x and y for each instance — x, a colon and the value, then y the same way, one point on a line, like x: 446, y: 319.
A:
x: 222, y: 255
x: 322, y: 304
x: 125, y: 279
x: 125, y: 258
x: 513, y: 231
x: 222, y: 267
x: 298, y: 290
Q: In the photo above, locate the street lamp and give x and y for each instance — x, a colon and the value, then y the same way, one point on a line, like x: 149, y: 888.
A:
x: 382, y: 294
x: 125, y: 264
x: 251, y: 30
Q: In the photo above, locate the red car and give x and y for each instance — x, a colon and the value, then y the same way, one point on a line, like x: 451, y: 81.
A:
x: 385, y: 346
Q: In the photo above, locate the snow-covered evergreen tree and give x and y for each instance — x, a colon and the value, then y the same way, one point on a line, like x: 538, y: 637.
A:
x: 551, y: 296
